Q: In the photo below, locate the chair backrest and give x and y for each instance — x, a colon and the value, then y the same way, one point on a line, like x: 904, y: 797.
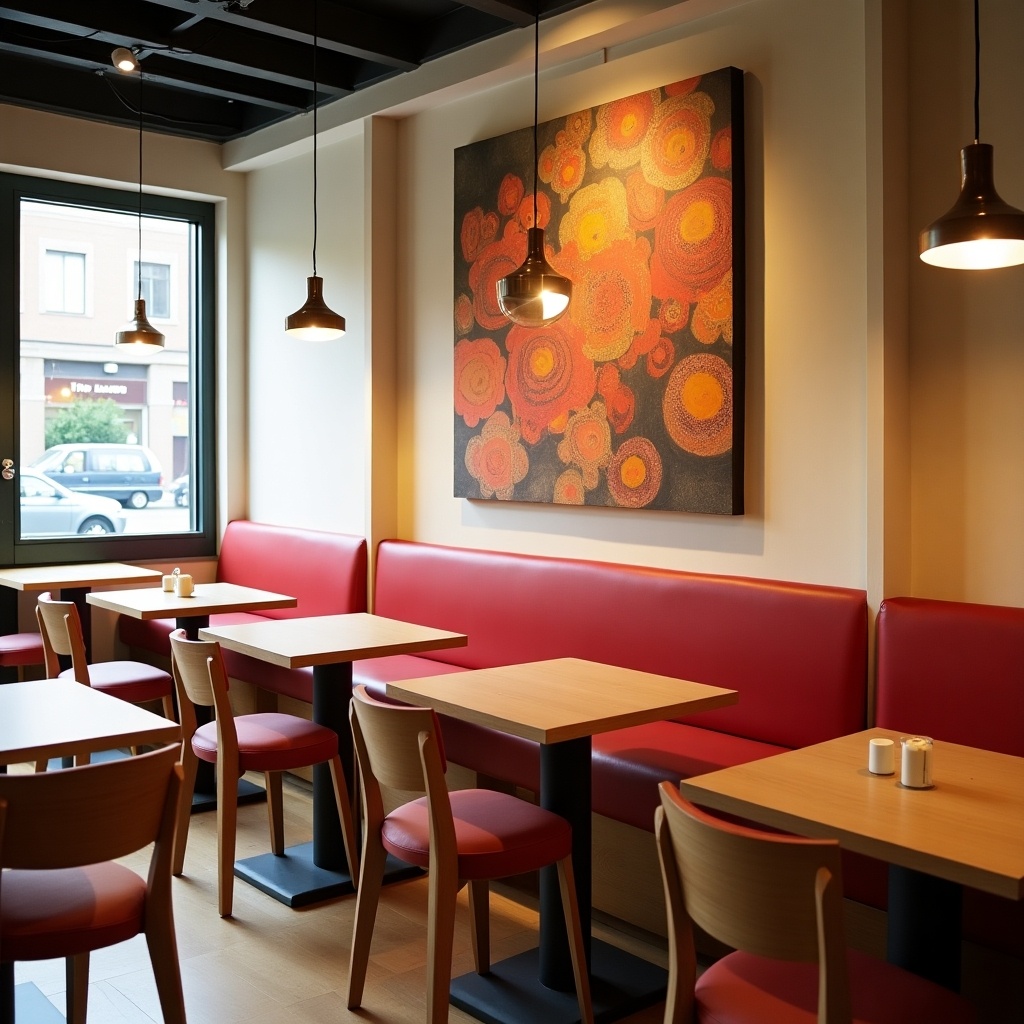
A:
x: 60, y: 627
x: 772, y: 895
x: 197, y: 667
x: 399, y: 747
x: 94, y: 813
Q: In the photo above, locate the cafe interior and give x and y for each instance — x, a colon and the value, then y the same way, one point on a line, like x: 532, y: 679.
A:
x: 722, y: 674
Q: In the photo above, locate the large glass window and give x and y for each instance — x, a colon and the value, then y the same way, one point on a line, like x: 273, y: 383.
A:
x: 115, y: 445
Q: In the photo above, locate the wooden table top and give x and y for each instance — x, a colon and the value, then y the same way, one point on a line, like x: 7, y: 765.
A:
x: 206, y: 599
x: 563, y: 699
x: 328, y: 639
x: 48, y: 718
x: 969, y: 828
x: 55, y: 577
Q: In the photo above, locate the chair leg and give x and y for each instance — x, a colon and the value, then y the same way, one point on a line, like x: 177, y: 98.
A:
x: 371, y: 879
x: 77, y: 973
x: 167, y: 703
x: 348, y: 831
x: 227, y: 824
x: 443, y: 888
x: 567, y: 886
x: 480, y: 926
x: 190, y: 767
x: 7, y: 991
x: 163, y: 954
x: 275, y: 811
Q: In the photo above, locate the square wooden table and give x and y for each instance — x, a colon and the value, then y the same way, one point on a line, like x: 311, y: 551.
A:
x: 966, y: 830
x: 561, y: 704
x: 63, y: 718
x: 72, y: 583
x: 313, y: 872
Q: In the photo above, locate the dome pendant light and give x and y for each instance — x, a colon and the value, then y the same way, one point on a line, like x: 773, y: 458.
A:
x: 980, y: 231
x: 535, y: 295
x: 139, y: 331
x: 315, y: 321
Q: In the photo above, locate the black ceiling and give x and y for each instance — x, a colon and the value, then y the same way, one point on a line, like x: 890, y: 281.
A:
x: 220, y: 69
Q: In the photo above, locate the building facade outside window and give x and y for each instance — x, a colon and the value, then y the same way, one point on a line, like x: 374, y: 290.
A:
x: 64, y: 282
x: 156, y: 288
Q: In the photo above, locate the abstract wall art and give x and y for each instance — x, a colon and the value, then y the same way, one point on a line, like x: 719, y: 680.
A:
x: 634, y: 398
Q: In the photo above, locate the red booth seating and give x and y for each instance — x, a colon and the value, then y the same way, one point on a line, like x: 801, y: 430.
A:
x: 797, y: 654
x: 955, y: 671
x: 326, y: 572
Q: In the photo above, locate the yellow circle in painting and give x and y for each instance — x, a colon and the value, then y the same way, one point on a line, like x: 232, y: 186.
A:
x: 678, y: 145
x: 697, y: 222
x: 702, y: 395
x: 633, y: 471
x: 542, y: 361
x: 593, y: 232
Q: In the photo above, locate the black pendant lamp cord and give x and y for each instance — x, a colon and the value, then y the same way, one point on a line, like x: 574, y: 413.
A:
x: 977, y: 74
x: 536, y: 93
x: 315, y: 5
x: 139, y: 267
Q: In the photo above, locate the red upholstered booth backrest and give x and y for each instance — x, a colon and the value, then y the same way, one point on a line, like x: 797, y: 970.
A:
x: 325, y: 571
x: 797, y: 653
x: 953, y: 671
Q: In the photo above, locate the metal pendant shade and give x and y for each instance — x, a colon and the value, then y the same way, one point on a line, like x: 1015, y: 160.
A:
x: 535, y: 294
x: 138, y: 330
x: 314, y: 320
x: 980, y: 231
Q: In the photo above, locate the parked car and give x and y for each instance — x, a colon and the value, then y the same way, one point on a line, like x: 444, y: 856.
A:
x: 179, y: 488
x: 51, y: 510
x: 128, y: 473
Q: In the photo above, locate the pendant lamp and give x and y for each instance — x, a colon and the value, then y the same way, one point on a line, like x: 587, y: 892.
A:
x: 138, y: 330
x: 315, y: 320
x: 534, y: 295
x: 980, y: 231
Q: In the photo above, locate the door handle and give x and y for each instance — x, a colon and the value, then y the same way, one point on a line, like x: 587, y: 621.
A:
x: 7, y: 469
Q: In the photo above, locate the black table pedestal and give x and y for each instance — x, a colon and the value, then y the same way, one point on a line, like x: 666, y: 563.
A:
x: 923, y: 925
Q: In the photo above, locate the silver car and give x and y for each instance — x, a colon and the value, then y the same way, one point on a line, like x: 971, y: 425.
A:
x: 50, y: 510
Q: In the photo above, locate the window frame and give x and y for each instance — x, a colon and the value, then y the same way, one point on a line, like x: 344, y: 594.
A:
x: 198, y: 542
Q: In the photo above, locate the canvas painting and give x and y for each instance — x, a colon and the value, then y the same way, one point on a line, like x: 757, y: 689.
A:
x: 634, y: 397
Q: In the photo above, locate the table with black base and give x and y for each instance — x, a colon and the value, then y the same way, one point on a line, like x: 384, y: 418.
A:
x: 561, y: 704
x: 191, y: 614
x: 317, y: 871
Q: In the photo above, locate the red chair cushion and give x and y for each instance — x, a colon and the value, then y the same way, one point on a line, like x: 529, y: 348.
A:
x: 745, y: 989
x: 271, y: 742
x: 133, y: 681
x: 18, y: 649
x: 47, y: 915
x: 497, y: 835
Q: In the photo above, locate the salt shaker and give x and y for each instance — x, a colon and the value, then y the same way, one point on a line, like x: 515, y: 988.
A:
x: 168, y: 581
x: 916, y: 762
x: 881, y: 756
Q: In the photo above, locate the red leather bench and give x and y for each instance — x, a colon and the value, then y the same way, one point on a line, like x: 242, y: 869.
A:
x: 797, y: 654
x: 325, y: 571
x: 955, y: 671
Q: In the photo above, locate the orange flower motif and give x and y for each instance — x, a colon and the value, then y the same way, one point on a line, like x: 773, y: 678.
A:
x: 644, y: 202
x: 697, y: 404
x: 619, y: 400
x: 660, y: 358
x: 683, y: 88
x: 496, y: 459
x: 621, y: 127
x: 641, y: 344
x: 712, y: 317
x: 693, y: 242
x: 548, y: 375
x: 674, y: 315
x: 634, y: 473
x: 494, y: 262
x: 479, y: 379
x: 587, y: 443
x: 676, y: 147
x: 510, y: 192
x: 478, y: 229
x: 569, y: 489
x: 524, y: 215
x: 562, y: 166
x: 595, y: 219
x: 463, y: 314
x: 721, y: 149
x: 577, y: 127
x: 611, y: 297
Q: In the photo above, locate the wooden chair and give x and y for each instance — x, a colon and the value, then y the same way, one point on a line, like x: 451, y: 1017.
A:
x: 267, y: 742
x: 18, y: 650
x: 777, y: 901
x: 62, y: 895
x: 468, y: 836
x: 134, y: 681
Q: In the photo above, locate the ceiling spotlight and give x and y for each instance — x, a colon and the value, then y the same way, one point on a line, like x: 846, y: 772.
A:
x: 124, y: 59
